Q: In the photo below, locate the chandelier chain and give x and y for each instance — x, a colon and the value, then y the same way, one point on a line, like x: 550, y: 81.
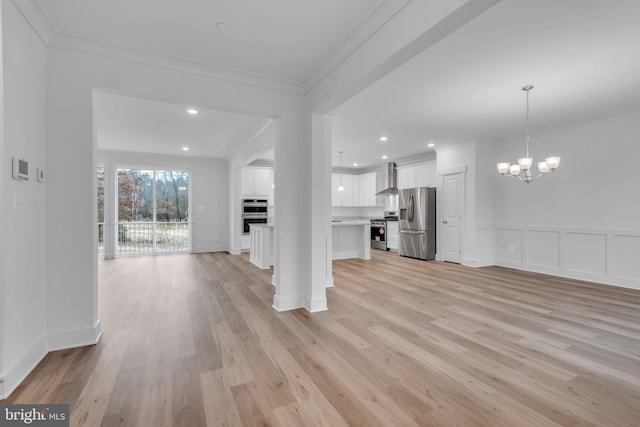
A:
x: 527, y: 138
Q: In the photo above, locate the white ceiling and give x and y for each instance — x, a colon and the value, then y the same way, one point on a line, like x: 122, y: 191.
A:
x: 581, y: 55
x: 282, y: 39
x: 131, y: 124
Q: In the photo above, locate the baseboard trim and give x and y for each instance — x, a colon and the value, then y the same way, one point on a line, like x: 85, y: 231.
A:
x: 75, y: 338
x: 316, y: 305
x: 330, y: 283
x: 287, y: 303
x: 478, y: 262
x: 210, y: 249
x: 23, y: 367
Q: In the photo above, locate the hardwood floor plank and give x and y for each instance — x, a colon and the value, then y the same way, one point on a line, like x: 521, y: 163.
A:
x: 219, y: 404
x: 348, y: 406
x: 187, y: 406
x: 193, y: 340
x: 236, y: 368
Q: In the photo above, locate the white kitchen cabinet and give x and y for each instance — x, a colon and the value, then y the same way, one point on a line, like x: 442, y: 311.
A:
x: 368, y: 189
x: 350, y: 195
x: 359, y: 190
x: 426, y: 175
x: 406, y: 177
x: 392, y: 235
x: 418, y: 175
x: 255, y: 181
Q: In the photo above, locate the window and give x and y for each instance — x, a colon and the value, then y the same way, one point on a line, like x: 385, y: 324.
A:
x: 152, y: 211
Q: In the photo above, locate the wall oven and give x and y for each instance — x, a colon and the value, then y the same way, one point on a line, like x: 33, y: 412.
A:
x: 254, y: 211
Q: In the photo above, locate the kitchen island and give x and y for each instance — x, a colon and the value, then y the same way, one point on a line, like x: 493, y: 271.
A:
x: 350, y: 239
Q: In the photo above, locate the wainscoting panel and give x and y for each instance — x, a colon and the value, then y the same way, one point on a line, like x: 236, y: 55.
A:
x: 509, y: 244
x: 586, y: 253
x: 543, y: 248
x: 627, y: 256
x: 597, y: 255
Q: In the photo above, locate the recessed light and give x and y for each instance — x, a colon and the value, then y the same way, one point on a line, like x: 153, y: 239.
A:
x: 431, y: 144
x: 355, y: 164
x: 384, y: 138
x: 223, y: 26
x: 385, y: 157
x: 185, y: 148
x: 192, y: 111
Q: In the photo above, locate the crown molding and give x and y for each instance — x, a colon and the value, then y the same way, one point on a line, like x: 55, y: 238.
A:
x: 39, y: 21
x: 153, y: 59
x: 42, y: 25
x: 370, y: 24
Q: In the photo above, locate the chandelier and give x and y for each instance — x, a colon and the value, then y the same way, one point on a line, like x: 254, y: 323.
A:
x: 522, y: 170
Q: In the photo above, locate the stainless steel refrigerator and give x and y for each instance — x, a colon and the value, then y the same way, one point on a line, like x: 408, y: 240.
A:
x: 417, y: 223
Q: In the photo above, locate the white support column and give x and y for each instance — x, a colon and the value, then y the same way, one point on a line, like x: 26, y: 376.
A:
x: 303, y: 223
x: 109, y: 233
x: 321, y: 256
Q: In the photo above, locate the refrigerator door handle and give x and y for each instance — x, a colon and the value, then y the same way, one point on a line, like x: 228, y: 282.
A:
x: 410, y: 232
x: 411, y: 206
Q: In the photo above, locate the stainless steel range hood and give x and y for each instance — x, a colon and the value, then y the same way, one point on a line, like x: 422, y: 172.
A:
x: 392, y: 176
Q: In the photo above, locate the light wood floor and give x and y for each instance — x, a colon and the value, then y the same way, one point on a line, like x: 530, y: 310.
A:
x: 192, y: 340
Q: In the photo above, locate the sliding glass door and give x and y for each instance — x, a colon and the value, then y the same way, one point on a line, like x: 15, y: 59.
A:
x: 152, y: 211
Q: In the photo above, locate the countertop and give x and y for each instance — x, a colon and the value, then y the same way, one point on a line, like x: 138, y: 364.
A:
x: 344, y: 222
x: 338, y: 222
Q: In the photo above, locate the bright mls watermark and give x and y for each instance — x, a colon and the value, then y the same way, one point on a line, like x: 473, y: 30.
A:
x: 34, y: 415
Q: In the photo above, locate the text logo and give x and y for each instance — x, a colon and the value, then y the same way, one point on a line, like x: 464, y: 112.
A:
x: 34, y: 415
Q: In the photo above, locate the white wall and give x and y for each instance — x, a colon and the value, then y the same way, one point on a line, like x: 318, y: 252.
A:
x: 209, y: 192
x: 583, y: 221
x: 3, y: 170
x: 487, y: 180
x: 23, y: 231
x: 71, y: 79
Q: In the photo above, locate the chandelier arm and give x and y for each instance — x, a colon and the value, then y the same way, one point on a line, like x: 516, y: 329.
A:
x: 516, y: 177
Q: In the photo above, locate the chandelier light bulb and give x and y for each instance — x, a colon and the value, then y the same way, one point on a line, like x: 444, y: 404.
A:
x: 543, y: 167
x: 525, y: 162
x: 503, y: 168
x: 553, y: 162
x: 514, y: 169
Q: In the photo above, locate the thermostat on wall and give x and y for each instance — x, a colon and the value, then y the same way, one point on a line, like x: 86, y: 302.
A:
x: 20, y: 169
x: 40, y: 174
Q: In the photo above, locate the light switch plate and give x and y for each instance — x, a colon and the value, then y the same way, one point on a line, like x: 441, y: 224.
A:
x: 40, y: 175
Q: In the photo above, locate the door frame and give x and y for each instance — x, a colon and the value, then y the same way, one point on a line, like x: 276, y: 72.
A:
x: 455, y: 170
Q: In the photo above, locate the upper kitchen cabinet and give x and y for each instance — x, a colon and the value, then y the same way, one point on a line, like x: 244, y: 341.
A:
x: 350, y: 196
x: 359, y: 190
x: 368, y: 189
x: 255, y: 181
x: 418, y: 175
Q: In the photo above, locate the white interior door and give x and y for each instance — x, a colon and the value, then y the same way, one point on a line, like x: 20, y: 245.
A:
x: 452, y: 216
